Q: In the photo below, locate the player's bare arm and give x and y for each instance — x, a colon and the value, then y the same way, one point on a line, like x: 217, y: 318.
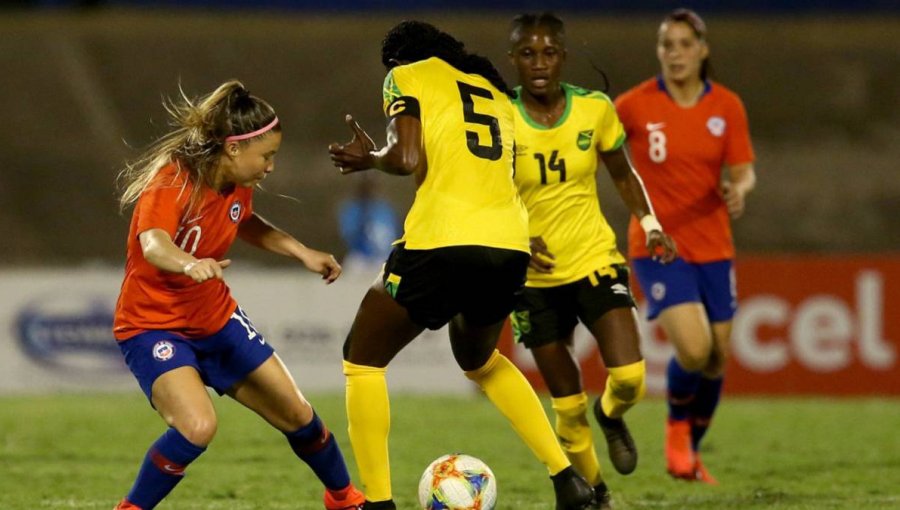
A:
x: 258, y: 232
x: 741, y: 180
x: 401, y: 155
x: 159, y: 250
x: 632, y: 191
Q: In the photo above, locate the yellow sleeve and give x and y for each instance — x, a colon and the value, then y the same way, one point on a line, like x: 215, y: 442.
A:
x: 399, y: 82
x: 612, y: 133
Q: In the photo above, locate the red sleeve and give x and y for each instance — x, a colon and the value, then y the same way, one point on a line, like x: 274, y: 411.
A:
x: 623, y: 112
x: 161, y: 207
x: 738, y: 148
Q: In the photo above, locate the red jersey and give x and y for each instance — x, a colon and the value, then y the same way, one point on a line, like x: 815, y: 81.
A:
x: 152, y: 299
x: 679, y: 154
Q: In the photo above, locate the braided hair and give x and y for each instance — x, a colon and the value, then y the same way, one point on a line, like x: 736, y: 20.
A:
x: 547, y: 20
x: 412, y: 41
x: 554, y: 25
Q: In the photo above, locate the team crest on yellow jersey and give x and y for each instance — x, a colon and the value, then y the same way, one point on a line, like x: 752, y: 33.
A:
x: 584, y: 139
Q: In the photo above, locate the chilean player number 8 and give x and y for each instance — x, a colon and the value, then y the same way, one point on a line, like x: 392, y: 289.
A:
x: 657, y: 150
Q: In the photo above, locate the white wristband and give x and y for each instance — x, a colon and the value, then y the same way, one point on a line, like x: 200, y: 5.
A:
x: 187, y: 267
x: 649, y: 223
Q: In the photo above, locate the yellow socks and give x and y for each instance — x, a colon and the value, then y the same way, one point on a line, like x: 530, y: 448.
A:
x: 575, y: 435
x: 625, y: 386
x: 510, y: 392
x: 369, y: 422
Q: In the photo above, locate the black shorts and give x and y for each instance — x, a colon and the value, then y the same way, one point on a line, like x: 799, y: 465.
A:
x: 435, y: 285
x: 547, y: 314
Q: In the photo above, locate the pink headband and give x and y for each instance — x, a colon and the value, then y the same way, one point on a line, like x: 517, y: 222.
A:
x: 237, y: 138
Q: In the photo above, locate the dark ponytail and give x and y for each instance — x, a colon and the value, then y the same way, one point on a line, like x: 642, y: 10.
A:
x: 412, y: 41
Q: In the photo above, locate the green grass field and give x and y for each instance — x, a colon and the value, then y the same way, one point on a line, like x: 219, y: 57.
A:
x: 82, y: 451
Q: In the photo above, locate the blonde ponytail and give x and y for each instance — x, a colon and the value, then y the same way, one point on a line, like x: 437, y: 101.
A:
x: 196, y: 142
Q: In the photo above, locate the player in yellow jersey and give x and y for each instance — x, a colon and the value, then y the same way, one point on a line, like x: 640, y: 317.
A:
x: 464, y: 251
x: 576, y: 272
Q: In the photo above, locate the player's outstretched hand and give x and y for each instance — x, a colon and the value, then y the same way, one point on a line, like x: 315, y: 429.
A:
x: 541, y: 258
x: 356, y: 154
x: 322, y: 263
x: 206, y: 269
x: 661, y: 246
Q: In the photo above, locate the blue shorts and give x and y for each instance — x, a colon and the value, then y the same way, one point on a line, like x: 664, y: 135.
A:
x: 713, y: 284
x: 222, y: 359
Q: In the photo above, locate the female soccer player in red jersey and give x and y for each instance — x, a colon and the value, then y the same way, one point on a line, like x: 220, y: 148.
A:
x: 576, y: 273
x: 683, y: 129
x: 176, y: 322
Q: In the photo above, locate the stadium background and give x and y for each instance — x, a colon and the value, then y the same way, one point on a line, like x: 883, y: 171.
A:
x: 81, y: 88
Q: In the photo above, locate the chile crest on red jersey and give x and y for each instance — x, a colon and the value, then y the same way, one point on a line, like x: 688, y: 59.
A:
x: 234, y: 212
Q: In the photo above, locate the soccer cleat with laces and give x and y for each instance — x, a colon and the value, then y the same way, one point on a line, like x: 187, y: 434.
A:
x: 619, y: 443
x: 680, y: 459
x: 126, y: 505
x: 348, y: 498
x: 572, y: 491
x: 701, y: 474
x: 602, y: 500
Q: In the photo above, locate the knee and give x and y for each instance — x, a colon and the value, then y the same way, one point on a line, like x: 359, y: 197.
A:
x: 628, y: 383
x: 199, y: 430
x: 715, y: 366
x: 296, y: 416
x: 484, y: 371
x: 693, y: 358
x: 571, y: 410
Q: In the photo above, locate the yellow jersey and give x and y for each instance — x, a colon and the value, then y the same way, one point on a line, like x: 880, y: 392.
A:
x: 556, y: 170
x: 467, y: 196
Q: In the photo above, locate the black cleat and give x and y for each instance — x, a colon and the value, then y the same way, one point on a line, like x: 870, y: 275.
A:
x: 379, y: 505
x: 572, y: 491
x: 619, y: 443
x: 602, y: 500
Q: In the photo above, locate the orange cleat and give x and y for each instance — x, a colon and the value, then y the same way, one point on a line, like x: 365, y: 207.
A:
x: 680, y: 459
x: 348, y: 498
x: 701, y: 474
x: 126, y: 505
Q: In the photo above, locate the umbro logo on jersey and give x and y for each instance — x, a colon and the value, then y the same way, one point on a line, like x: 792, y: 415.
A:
x: 619, y: 288
x: 653, y: 126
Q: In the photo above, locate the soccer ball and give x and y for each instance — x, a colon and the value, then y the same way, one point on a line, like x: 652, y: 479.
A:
x: 458, y: 482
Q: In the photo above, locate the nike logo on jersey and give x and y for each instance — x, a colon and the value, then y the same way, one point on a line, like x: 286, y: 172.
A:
x: 653, y: 126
